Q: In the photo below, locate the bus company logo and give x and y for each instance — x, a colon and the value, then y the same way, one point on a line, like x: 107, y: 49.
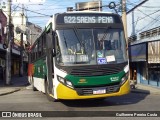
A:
x: 114, y: 78
x: 6, y: 114
x: 21, y: 114
x: 82, y: 81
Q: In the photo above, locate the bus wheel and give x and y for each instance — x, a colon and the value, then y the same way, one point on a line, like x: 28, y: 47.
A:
x: 33, y: 88
x: 47, y: 93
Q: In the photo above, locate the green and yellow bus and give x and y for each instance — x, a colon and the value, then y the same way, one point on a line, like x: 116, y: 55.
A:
x: 80, y: 55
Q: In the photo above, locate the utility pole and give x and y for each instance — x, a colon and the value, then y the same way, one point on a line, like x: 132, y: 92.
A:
x: 21, y: 45
x: 132, y: 10
x: 124, y: 19
x: 8, y: 51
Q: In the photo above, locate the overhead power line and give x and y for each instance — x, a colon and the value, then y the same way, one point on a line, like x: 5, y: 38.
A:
x: 36, y: 16
x: 36, y: 12
x: 146, y: 15
x: 137, y: 6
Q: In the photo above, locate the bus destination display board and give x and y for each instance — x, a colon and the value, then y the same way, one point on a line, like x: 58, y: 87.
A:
x: 87, y: 18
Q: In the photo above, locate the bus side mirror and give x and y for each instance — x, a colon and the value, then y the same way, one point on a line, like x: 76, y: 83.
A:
x: 54, y: 44
x: 54, y: 51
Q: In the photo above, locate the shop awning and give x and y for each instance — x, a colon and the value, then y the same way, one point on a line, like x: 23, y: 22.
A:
x: 137, y: 52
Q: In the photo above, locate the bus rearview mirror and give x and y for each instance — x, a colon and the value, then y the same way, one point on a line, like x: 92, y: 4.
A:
x: 54, y: 53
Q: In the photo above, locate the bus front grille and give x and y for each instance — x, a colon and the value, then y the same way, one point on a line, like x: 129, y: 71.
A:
x: 97, y: 70
x: 93, y: 70
x: 89, y: 91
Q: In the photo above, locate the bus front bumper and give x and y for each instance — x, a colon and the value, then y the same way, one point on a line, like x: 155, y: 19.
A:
x: 64, y: 92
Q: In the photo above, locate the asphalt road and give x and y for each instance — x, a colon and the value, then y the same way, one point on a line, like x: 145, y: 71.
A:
x: 28, y: 100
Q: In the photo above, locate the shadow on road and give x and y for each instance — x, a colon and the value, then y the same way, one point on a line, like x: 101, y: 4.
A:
x: 16, y: 81
x: 131, y: 98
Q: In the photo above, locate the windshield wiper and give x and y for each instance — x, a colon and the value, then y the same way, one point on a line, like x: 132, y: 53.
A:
x: 79, y: 41
x: 65, y: 40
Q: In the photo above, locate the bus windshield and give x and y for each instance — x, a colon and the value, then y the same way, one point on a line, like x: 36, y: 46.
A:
x: 90, y: 46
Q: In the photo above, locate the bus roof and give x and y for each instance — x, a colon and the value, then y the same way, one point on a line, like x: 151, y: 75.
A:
x: 89, y: 12
x: 71, y: 12
x: 74, y: 12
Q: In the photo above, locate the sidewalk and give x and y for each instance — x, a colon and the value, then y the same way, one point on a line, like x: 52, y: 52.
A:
x: 146, y: 89
x: 17, y: 83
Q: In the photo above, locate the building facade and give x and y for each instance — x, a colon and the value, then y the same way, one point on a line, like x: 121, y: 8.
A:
x: 15, y: 48
x: 3, y: 37
x: 3, y: 25
x: 34, y: 31
x: 144, y: 43
x: 89, y: 6
x: 23, y: 31
x: 145, y: 58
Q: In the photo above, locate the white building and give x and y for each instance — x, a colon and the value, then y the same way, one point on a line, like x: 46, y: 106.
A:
x: 144, y: 22
x: 3, y: 5
x: 19, y: 21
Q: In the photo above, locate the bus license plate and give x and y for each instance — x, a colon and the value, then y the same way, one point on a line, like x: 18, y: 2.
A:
x: 99, y: 91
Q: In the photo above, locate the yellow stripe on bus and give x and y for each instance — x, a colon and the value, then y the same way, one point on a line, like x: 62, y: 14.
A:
x: 64, y: 92
x: 51, y: 95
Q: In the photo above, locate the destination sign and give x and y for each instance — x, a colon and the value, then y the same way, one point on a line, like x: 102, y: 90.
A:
x: 88, y: 19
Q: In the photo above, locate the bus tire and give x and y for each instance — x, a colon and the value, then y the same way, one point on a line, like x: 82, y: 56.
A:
x: 33, y: 87
x: 47, y: 93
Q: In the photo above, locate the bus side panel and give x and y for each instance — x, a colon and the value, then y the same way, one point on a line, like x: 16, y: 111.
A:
x: 39, y: 73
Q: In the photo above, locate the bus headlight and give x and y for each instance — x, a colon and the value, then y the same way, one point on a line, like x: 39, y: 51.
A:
x: 60, y: 79
x: 64, y: 81
x: 125, y: 77
x: 68, y: 83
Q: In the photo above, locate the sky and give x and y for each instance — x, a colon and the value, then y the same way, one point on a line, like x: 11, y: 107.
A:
x: 146, y: 17
x: 40, y: 13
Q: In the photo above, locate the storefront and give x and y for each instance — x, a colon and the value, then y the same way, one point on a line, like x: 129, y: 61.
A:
x: 15, y: 61
x: 154, y: 63
x: 145, y: 62
x: 137, y: 58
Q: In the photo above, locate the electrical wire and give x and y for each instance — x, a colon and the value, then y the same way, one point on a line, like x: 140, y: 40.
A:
x: 147, y: 15
x: 57, y: 4
x: 35, y: 12
x: 15, y: 8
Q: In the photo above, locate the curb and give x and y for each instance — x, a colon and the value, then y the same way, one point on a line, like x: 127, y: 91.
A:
x: 15, y: 90
x: 140, y: 91
x: 145, y: 91
x: 6, y: 93
x: 138, y: 88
